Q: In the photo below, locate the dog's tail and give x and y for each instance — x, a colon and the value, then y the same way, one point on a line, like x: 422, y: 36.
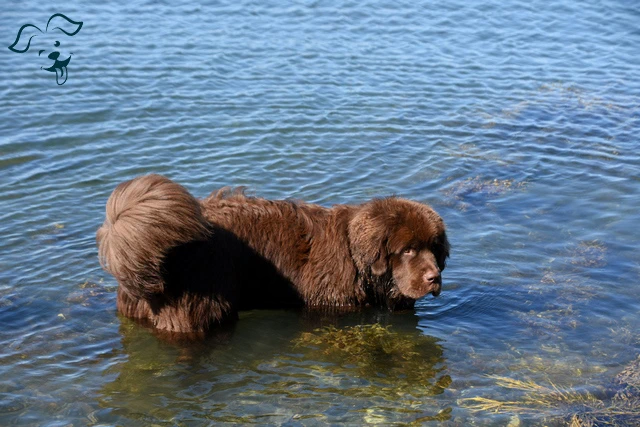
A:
x: 146, y: 217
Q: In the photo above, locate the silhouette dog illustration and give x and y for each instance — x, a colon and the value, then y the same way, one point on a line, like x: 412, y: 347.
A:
x: 48, y: 42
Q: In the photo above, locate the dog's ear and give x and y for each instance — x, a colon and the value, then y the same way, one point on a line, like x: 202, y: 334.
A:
x: 23, y: 39
x: 379, y: 266
x: 367, y: 241
x: 441, y: 248
x: 60, y: 22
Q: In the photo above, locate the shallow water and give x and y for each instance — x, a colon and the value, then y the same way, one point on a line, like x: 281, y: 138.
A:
x: 517, y: 121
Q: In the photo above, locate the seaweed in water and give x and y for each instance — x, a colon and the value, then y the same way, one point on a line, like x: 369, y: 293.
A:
x: 590, y: 253
x: 396, y: 373
x: 401, y: 362
x: 574, y: 407
x: 461, y: 191
x: 568, y: 279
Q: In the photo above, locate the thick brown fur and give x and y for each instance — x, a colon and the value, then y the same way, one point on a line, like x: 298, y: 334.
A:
x: 185, y: 265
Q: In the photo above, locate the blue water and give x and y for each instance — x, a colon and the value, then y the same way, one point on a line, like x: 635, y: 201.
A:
x: 518, y: 121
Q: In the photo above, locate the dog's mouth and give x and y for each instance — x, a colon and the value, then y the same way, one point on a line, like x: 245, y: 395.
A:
x: 60, y: 68
x: 435, y: 288
x: 422, y: 290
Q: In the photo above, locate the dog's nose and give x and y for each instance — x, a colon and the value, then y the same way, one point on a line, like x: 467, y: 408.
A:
x: 432, y: 276
x: 54, y: 55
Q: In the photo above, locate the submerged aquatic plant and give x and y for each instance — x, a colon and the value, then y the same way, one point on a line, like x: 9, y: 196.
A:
x: 382, y: 375
x: 568, y: 277
x: 361, y: 344
x: 577, y: 408
x: 536, y: 396
x: 389, y: 363
x: 485, y: 188
x: 591, y: 253
x: 630, y: 375
x: 370, y: 346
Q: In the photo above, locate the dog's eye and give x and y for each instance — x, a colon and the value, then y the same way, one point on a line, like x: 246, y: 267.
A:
x: 57, y: 43
x: 409, y: 252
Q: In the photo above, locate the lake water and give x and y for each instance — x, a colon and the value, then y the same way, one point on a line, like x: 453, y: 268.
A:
x: 518, y: 121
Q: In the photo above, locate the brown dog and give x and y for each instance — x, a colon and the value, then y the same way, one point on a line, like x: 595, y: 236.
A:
x: 186, y: 265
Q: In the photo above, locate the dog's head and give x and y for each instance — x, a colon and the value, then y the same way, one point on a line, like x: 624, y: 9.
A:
x: 402, y: 240
x: 49, y: 43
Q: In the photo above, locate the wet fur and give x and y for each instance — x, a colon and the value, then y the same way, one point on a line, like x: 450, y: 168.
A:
x: 185, y: 265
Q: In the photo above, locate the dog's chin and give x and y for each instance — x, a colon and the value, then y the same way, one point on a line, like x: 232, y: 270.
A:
x: 418, y: 292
